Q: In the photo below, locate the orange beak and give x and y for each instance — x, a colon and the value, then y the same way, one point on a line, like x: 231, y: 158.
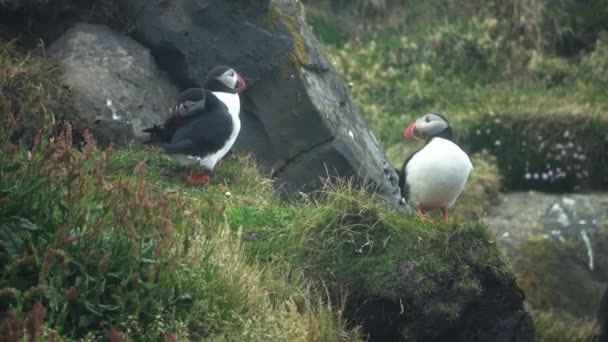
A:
x: 241, y: 84
x: 409, y: 132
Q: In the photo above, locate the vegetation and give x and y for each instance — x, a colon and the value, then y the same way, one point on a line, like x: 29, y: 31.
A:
x: 501, y: 86
x: 103, y: 247
x: 523, y: 82
x: 98, y: 243
x: 93, y: 241
x: 349, y: 241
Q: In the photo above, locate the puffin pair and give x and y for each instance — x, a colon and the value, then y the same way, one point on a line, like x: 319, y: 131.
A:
x: 434, y: 176
x: 204, y: 124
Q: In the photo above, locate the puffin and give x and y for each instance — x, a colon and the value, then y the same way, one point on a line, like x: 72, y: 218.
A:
x: 433, y: 176
x: 204, y: 124
x: 189, y: 102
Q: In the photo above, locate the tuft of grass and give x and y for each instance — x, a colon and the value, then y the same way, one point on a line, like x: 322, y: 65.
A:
x: 354, y: 238
x: 31, y: 90
x: 348, y: 241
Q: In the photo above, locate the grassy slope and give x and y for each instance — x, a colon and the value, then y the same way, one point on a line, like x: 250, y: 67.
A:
x: 115, y: 239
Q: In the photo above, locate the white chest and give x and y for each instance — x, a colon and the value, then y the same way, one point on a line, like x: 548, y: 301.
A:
x: 437, y: 174
x: 208, y: 162
x: 232, y: 101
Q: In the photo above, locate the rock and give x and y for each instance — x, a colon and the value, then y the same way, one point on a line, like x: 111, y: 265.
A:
x: 550, y: 238
x: 117, y: 88
x: 18, y: 5
x: 298, y: 119
x: 603, y: 318
x: 496, y: 315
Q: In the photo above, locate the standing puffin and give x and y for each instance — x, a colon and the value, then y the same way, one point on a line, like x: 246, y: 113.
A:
x: 433, y: 176
x: 204, y: 124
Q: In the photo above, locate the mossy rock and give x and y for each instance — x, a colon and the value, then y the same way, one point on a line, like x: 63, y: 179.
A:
x: 549, y: 152
x: 542, y: 266
x: 404, y: 279
x: 287, y: 15
x: 549, y: 238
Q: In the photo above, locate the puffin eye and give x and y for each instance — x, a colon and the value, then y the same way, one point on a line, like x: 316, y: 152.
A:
x: 427, y: 118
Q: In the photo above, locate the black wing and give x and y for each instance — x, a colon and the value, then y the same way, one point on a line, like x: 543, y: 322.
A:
x: 405, y: 191
x: 203, y: 134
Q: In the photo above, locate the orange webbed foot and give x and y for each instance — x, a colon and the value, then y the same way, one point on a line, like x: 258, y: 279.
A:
x: 423, y: 216
x: 199, y: 178
x: 445, y: 214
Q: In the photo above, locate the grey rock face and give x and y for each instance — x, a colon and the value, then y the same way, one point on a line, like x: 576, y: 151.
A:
x: 117, y: 87
x: 297, y: 117
x: 189, y: 37
x: 550, y: 238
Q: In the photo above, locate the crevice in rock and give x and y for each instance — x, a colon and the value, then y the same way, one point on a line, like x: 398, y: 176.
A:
x: 302, y: 153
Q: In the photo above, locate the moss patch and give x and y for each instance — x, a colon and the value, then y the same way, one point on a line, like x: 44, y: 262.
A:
x: 276, y: 15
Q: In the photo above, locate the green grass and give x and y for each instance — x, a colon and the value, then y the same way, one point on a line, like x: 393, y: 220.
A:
x: 525, y: 94
x: 351, y: 243
x: 94, y: 240
x: 102, y: 241
x: 115, y: 240
x: 484, y: 81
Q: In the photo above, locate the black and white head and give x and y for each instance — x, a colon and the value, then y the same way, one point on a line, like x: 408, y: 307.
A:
x: 225, y: 79
x: 429, y: 126
x: 189, y: 101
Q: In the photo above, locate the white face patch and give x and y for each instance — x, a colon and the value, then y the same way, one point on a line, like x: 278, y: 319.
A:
x: 229, y: 78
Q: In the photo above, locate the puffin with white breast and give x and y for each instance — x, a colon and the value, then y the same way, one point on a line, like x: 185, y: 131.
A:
x: 434, y: 176
x: 204, y: 124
